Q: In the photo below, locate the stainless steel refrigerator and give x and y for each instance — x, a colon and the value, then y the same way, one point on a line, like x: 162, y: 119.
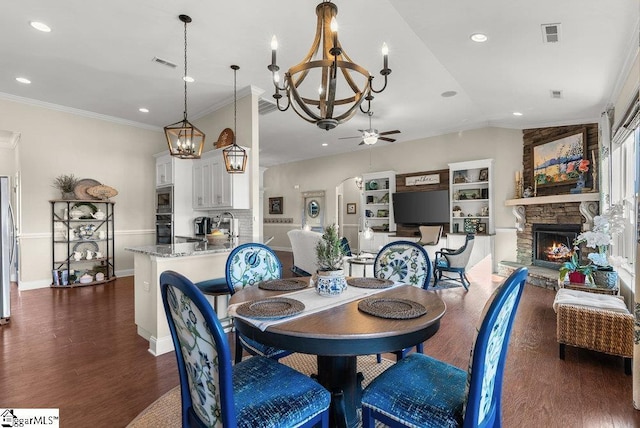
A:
x: 8, y: 247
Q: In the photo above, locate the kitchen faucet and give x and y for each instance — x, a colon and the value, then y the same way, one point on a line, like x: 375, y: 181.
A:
x: 220, y: 218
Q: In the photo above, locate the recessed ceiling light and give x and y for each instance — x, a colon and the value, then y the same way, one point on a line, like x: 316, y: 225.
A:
x: 448, y: 94
x: 40, y: 26
x: 188, y: 79
x: 479, y: 37
x: 23, y: 80
x: 325, y: 144
x: 143, y: 110
x: 517, y: 113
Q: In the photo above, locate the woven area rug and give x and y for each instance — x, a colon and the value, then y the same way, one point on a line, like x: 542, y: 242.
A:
x: 444, y: 284
x: 165, y: 411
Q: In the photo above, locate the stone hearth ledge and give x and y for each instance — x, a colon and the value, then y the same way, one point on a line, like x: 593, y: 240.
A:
x: 588, y: 206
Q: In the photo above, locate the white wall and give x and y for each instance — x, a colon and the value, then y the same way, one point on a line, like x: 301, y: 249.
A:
x: 55, y: 142
x: 503, y: 145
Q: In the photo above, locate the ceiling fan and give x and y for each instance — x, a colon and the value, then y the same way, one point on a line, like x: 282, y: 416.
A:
x: 371, y: 135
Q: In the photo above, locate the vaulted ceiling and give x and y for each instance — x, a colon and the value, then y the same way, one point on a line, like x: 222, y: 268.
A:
x: 98, y: 58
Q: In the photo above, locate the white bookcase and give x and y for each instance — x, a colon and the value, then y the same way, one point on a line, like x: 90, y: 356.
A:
x: 471, y: 190
x: 377, y: 212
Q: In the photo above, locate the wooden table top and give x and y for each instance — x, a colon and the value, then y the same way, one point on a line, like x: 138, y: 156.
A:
x: 344, y: 329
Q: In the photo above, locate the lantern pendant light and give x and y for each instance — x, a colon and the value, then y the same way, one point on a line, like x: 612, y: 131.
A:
x: 235, y: 157
x: 185, y: 140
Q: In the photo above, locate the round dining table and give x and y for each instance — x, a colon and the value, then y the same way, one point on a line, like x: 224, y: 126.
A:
x: 339, y: 334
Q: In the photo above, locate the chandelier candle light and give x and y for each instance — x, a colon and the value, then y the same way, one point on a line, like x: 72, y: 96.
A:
x: 185, y: 140
x: 330, y: 103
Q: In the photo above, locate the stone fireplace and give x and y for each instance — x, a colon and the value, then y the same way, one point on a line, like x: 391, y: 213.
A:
x: 553, y: 243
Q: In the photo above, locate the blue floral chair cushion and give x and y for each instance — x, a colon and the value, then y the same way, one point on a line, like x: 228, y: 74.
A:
x: 403, y: 261
x: 258, y: 392
x: 248, y: 264
x: 422, y: 391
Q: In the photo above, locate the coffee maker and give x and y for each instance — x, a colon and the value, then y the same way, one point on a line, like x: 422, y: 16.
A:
x: 201, y: 226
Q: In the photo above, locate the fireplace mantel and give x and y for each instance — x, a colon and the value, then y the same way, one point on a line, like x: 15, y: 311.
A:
x: 588, y: 206
x: 554, y: 199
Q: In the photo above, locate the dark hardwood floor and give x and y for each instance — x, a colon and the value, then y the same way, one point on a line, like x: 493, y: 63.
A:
x: 77, y: 350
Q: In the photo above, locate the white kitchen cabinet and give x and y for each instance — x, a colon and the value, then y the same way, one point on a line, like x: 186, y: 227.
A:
x: 215, y: 188
x: 164, y: 170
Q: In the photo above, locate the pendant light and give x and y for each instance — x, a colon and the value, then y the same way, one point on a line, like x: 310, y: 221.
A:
x: 185, y: 140
x: 235, y: 157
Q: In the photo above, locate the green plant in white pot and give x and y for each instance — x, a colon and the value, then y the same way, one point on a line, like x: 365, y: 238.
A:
x: 330, y: 279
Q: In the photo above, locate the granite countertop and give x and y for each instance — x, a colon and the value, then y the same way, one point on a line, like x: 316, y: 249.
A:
x: 193, y: 248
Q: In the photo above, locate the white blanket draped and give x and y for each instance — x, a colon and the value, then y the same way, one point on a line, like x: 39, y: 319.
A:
x: 566, y: 296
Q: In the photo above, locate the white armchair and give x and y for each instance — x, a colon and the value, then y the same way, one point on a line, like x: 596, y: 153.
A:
x: 303, y: 246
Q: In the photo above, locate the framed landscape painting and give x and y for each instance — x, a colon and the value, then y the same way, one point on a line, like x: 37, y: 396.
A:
x: 560, y: 160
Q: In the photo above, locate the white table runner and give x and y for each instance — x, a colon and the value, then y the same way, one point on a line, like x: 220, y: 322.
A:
x: 313, y: 302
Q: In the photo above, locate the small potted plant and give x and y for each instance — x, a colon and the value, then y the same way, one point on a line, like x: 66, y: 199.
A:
x: 66, y: 184
x: 577, y: 273
x: 330, y: 279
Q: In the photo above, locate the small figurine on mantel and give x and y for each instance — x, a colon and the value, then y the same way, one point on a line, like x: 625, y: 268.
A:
x: 528, y: 192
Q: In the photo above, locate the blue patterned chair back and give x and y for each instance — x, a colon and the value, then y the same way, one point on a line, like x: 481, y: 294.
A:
x: 202, y: 351
x: 403, y: 261
x: 249, y: 264
x: 489, y: 353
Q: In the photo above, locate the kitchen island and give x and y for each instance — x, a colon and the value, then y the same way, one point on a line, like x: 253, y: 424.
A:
x: 197, y: 261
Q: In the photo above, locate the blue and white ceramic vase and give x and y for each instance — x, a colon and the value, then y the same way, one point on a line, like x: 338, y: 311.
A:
x: 331, y: 282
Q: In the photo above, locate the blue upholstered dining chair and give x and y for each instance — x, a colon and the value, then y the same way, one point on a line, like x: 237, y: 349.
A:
x: 422, y: 391
x: 256, y: 392
x: 455, y: 261
x: 247, y: 265
x: 407, y: 262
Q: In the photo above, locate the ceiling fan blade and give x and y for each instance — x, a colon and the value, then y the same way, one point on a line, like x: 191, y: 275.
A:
x: 347, y: 138
x: 391, y: 140
x: 390, y: 132
x: 361, y: 143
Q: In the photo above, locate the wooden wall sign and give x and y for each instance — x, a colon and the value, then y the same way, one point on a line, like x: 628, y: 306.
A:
x: 419, y: 180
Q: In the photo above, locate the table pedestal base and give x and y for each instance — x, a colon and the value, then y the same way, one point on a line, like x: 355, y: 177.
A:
x: 339, y: 375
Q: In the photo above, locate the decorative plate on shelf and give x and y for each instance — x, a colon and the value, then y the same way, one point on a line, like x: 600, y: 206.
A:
x: 373, y: 185
x: 86, y: 245
x: 81, y: 188
x: 87, y: 208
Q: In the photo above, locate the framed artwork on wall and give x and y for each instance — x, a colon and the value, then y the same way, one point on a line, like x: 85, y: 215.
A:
x: 351, y: 208
x: 276, y: 205
x: 560, y: 160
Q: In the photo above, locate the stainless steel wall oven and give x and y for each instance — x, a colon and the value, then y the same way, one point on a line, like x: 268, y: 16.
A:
x: 164, y: 215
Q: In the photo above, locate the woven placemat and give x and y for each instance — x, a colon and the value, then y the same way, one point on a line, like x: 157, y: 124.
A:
x: 81, y: 188
x: 388, y: 307
x: 283, y: 284
x: 370, y: 282
x: 276, y: 307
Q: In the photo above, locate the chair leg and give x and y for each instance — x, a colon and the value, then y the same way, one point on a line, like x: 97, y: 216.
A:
x: 561, y: 350
x: 420, y: 348
x: 367, y: 418
x: 627, y: 366
x: 378, y: 358
x: 435, y: 277
x: 465, y: 282
x: 238, y: 349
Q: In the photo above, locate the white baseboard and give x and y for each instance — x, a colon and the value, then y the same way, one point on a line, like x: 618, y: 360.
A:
x: 159, y: 346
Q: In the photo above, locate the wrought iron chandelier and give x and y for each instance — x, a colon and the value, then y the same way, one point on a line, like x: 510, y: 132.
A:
x: 235, y: 157
x: 335, y: 100
x: 185, y: 140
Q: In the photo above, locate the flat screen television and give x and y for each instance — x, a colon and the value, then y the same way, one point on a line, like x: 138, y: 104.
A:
x: 421, y: 207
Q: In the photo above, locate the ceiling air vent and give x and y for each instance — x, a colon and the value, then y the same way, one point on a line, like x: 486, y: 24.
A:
x: 163, y: 62
x: 550, y: 33
x: 266, y: 107
x: 556, y: 93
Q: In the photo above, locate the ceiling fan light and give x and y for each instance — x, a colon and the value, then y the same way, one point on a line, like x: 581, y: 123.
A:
x: 370, y: 139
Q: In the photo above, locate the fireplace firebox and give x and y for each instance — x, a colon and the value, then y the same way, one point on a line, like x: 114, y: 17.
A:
x: 553, y: 244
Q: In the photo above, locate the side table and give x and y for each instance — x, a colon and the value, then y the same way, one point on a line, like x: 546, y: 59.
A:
x: 364, y: 262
